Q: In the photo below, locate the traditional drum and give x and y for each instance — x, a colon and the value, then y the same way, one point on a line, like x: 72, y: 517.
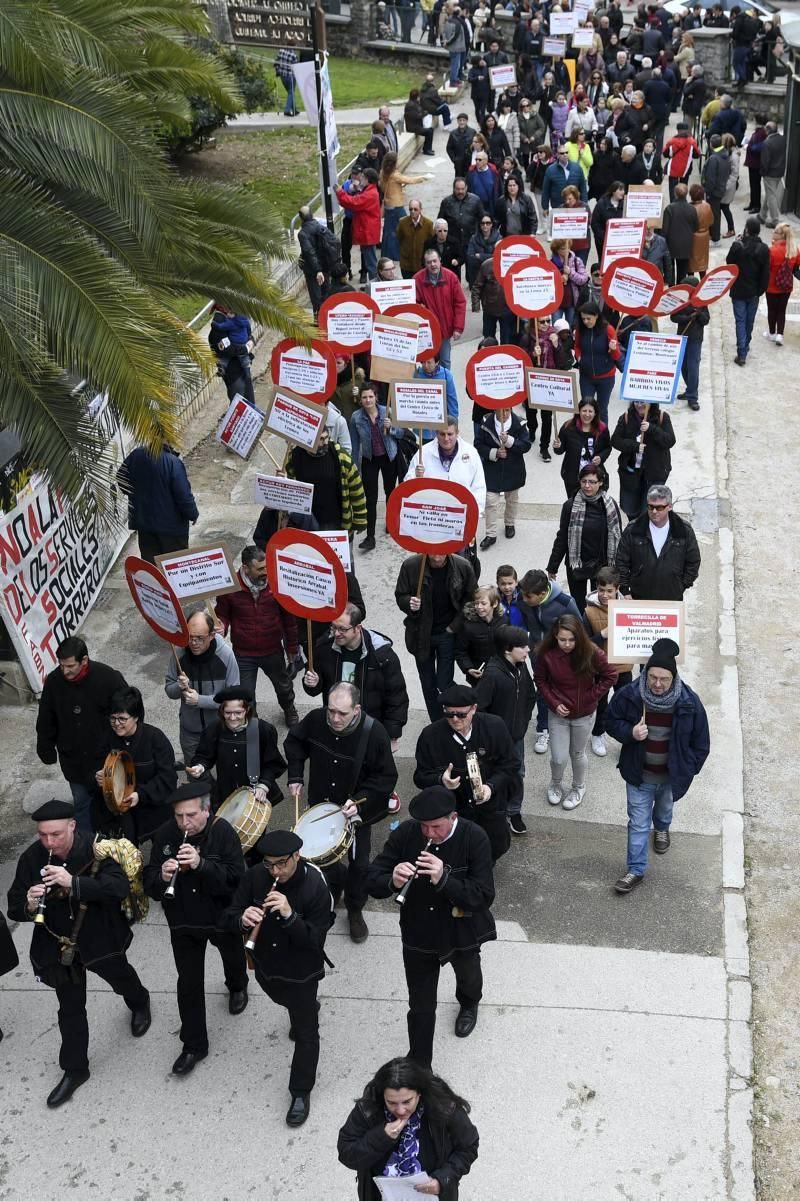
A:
x: 119, y: 781
x: 326, y: 833
x: 248, y: 816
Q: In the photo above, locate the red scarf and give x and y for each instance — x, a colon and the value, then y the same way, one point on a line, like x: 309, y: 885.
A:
x: 82, y: 674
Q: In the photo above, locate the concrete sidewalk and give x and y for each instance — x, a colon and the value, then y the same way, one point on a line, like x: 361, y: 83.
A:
x: 612, y: 1057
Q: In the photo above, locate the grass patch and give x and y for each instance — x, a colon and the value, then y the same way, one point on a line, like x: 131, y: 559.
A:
x: 359, y: 84
x: 278, y: 165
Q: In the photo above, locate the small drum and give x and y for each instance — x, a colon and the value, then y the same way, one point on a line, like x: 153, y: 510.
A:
x: 119, y: 781
x: 248, y: 816
x: 326, y: 833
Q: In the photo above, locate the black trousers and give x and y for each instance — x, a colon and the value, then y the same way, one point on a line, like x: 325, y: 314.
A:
x: 349, y: 875
x: 422, y: 977
x: 371, y: 470
x: 578, y: 589
x: 189, y: 949
x: 152, y: 543
x: 301, y: 1001
x: 274, y: 668
x: 72, y: 1020
x: 533, y: 416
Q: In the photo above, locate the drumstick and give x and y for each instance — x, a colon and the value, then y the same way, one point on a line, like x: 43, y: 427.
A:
x: 360, y: 801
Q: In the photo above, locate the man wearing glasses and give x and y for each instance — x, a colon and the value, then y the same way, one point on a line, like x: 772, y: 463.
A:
x: 658, y: 557
x: 448, y: 748
x: 206, y: 666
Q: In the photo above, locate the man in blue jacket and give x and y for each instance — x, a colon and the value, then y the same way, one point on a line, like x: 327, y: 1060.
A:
x: 558, y: 176
x: 160, y: 500
x: 432, y: 369
x: 663, y: 728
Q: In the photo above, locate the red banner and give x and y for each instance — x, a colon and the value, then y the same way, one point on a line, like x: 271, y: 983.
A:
x: 347, y: 320
x: 533, y: 288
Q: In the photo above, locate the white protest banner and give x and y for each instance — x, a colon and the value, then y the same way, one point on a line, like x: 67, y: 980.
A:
x: 430, y: 331
x: 502, y: 75
x: 533, y: 288
x: 582, y: 39
x: 432, y: 521
x: 511, y: 250
x: 633, y: 627
x: 338, y: 541
x: 554, y: 47
x: 569, y: 223
x: 310, y: 581
x: 386, y: 292
x: 624, y: 238
x: 199, y: 573
x: 418, y: 404
x: 394, y: 349
x: 671, y: 300
x: 277, y: 492
x: 240, y: 427
x: 499, y: 377
x: 553, y: 390
x: 295, y: 419
x: 645, y: 202
x: 652, y: 368
x: 563, y: 24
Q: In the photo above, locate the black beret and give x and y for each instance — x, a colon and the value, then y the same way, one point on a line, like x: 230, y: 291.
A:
x: 431, y: 803
x: 195, y: 788
x: 457, y: 696
x: 233, y: 694
x: 279, y: 843
x: 54, y: 810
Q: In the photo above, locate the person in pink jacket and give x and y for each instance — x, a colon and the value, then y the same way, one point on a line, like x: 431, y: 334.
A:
x: 440, y: 291
x: 365, y: 205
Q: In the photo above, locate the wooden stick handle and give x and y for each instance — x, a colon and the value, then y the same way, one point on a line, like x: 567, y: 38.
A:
x: 310, y: 649
x: 267, y: 451
x: 422, y: 564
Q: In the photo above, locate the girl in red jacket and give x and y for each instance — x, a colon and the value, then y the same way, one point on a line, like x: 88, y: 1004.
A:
x: 572, y: 674
x: 365, y: 207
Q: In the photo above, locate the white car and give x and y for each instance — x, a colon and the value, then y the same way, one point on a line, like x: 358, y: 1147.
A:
x: 761, y: 8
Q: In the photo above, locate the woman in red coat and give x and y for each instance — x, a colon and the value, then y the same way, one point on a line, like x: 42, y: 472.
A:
x: 365, y: 205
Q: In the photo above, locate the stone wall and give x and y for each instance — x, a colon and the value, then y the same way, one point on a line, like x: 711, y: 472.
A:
x: 712, y: 49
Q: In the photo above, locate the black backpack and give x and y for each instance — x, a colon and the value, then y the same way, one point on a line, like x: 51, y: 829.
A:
x: 329, y: 249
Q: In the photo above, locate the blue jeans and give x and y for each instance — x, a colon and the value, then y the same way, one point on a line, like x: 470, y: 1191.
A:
x: 648, y: 804
x: 600, y: 388
x: 444, y: 353
x: 690, y: 368
x: 390, y: 247
x: 437, y: 671
x: 289, y: 108
x: 456, y: 63
x: 369, y: 259
x: 744, y: 314
x: 542, y: 715
x: 82, y: 799
x: 741, y: 55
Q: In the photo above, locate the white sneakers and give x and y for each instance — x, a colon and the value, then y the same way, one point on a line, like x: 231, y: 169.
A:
x: 574, y: 797
x: 555, y: 793
x: 776, y: 338
x: 599, y: 745
x: 779, y: 339
x: 542, y: 743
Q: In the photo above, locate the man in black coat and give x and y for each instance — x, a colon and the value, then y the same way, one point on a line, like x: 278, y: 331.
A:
x: 459, y: 145
x: 658, y: 557
x: 751, y: 256
x: 462, y: 738
x: 285, y: 904
x: 195, y: 866
x: 349, y: 757
x: 679, y: 225
x: 72, y: 722
x: 242, y: 747
x: 446, y: 912
x: 772, y: 164
x: 462, y: 211
x: 352, y: 654
x: 319, y: 250
x: 506, y: 690
x: 80, y: 927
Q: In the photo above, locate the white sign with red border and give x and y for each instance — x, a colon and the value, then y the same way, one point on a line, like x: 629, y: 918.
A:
x: 278, y: 492
x: 310, y: 581
x: 418, y: 404
x: 502, y: 75
x: 338, y: 541
x: 645, y: 202
x: 554, y: 47
x: 624, y: 238
x: 633, y: 627
x: 295, y: 419
x: 563, y: 24
x: 582, y: 39
x: 156, y: 601
x: 199, y: 573
x: 240, y: 427
x: 387, y: 292
x: 554, y: 390
x: 652, y: 369
x: 569, y: 223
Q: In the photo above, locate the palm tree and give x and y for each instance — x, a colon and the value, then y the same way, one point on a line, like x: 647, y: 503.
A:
x: 100, y: 235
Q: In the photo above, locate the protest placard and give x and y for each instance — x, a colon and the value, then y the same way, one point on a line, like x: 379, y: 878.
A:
x: 632, y: 285
x: 278, y: 492
x: 633, y: 627
x: 562, y: 24
x: 296, y: 419
x: 240, y: 427
x: 554, y: 47
x: 582, y: 38
x: 339, y: 541
x: 645, y: 202
x: 553, y: 390
x: 418, y: 404
x: 533, y: 288
x: 514, y: 249
x: 307, y: 371
x: 432, y: 516
x: 388, y: 292
x: 156, y: 601
x: 200, y: 573
x: 716, y: 284
x: 347, y: 320
x: 569, y: 223
x: 306, y: 575
x: 429, y: 342
x: 495, y: 376
x: 394, y: 349
x: 623, y: 239
x: 671, y: 300
x: 652, y: 368
x: 502, y: 75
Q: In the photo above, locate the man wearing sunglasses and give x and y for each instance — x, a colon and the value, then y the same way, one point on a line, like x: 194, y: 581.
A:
x: 658, y: 557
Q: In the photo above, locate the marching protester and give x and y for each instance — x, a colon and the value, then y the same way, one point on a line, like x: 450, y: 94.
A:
x: 584, y: 441
x: 242, y: 748
x: 193, y: 677
x: 588, y: 533
x: 658, y: 557
x: 475, y: 642
x: 161, y: 504
x: 643, y: 436
x: 506, y: 690
x: 155, y: 774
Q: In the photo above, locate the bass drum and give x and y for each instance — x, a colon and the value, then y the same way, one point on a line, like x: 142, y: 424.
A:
x: 248, y: 816
x: 119, y: 781
x: 326, y: 833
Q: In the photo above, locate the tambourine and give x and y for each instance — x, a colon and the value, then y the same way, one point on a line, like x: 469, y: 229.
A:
x: 119, y: 781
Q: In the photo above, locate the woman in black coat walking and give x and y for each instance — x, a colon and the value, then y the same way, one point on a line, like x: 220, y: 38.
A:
x: 588, y: 533
x: 515, y: 210
x: 501, y: 441
x: 409, y: 1121
x: 154, y: 765
x: 581, y: 441
x: 643, y: 437
x: 497, y: 141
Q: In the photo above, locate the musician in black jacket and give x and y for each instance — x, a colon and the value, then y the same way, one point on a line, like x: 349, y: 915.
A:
x: 506, y: 690
x: 154, y: 764
x: 441, y: 755
x: 349, y: 758
x: 446, y: 914
x: 223, y: 745
x: 71, y: 939
x: 293, y: 900
x: 195, y: 866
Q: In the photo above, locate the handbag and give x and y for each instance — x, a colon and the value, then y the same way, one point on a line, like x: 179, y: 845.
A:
x: 427, y: 121
x: 783, y: 276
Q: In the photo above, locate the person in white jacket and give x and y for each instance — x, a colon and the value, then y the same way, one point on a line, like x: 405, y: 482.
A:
x: 581, y: 116
x: 448, y: 457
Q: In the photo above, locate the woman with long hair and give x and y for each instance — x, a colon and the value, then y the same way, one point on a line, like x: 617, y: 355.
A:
x: 734, y: 156
x: 783, y: 261
x: 598, y: 351
x: 588, y: 533
x: 644, y: 437
x: 516, y: 210
x: 392, y: 182
x: 583, y: 440
x: 374, y: 454
x: 571, y: 674
x: 407, y: 1121
x: 571, y: 199
x: 496, y: 140
x: 579, y: 150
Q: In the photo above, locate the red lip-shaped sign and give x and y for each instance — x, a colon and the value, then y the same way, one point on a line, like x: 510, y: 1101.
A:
x: 496, y: 376
x: 671, y: 300
x: 513, y: 249
x: 155, y: 599
x: 715, y: 285
x: 533, y: 288
x: 632, y: 285
x: 430, y: 331
x: 306, y: 575
x: 432, y: 517
x: 347, y: 320
x: 310, y: 372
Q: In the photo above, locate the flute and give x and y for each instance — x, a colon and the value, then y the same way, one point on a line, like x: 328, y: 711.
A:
x: 250, y: 944
x: 400, y: 897
x: 42, y: 904
x: 169, y: 891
